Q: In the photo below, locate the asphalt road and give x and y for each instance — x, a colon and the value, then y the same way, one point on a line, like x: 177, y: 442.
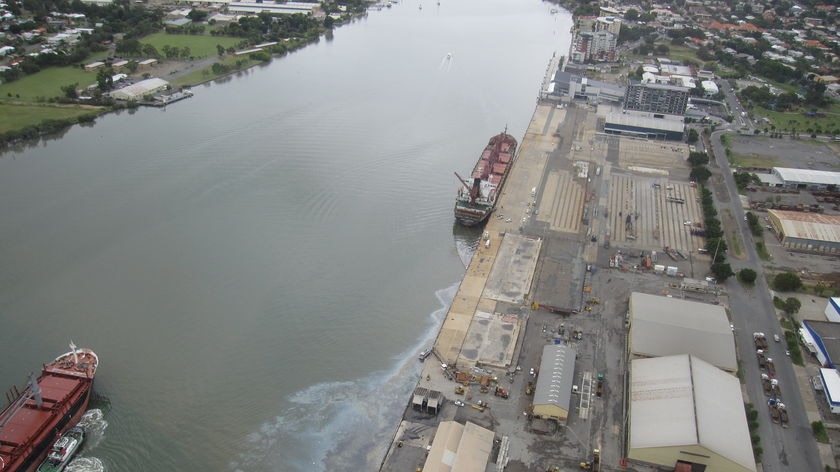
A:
x: 792, y: 448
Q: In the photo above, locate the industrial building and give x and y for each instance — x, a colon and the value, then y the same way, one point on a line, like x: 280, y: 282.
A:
x: 645, y: 127
x: 685, y: 412
x: 832, y: 309
x: 822, y: 339
x: 659, y: 99
x: 800, y: 178
x: 566, y: 84
x: 140, y: 89
x: 803, y: 231
x: 459, y: 448
x: 553, y: 393
x: 665, y: 326
x: 830, y: 379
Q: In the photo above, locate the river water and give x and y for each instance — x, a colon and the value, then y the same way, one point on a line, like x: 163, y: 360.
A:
x: 258, y: 266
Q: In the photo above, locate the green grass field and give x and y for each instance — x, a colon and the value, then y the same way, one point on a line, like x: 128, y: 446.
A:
x: 200, y: 46
x: 13, y: 117
x: 45, y: 84
x: 786, y: 121
x: 207, y: 74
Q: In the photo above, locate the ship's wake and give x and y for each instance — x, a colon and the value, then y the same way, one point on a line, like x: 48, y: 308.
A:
x: 94, y: 424
x: 342, y: 425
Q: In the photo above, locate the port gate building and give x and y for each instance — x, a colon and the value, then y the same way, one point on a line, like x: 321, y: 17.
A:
x: 803, y: 231
x: 553, y: 393
x: 685, y: 410
x: 822, y: 339
x: 665, y: 326
x: 459, y: 448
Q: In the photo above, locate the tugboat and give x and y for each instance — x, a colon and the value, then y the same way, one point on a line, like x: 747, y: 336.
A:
x: 63, y: 450
x: 477, y: 196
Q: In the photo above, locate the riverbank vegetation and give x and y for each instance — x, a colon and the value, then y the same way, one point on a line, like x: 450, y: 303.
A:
x: 41, y: 86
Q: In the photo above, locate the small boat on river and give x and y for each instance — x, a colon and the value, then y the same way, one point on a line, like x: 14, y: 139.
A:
x: 63, y: 450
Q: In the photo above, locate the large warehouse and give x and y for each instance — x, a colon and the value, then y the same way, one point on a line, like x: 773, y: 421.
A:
x: 664, y: 326
x: 459, y: 447
x: 685, y: 411
x: 806, y: 231
x: 646, y: 127
x: 801, y: 178
x: 553, y: 393
x: 140, y: 89
x: 822, y: 339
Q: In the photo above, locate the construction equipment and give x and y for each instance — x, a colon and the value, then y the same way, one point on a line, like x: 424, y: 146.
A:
x: 500, y: 392
x: 593, y: 301
x: 529, y: 389
x: 459, y: 390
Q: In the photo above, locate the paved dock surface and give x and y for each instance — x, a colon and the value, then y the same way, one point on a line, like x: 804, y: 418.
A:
x: 569, y: 187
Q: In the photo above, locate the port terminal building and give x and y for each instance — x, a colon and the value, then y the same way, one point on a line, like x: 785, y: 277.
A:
x: 803, y: 231
x: 685, y: 412
x: 665, y: 326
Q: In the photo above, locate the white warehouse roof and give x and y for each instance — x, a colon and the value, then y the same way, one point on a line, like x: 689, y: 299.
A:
x: 808, y: 176
x: 683, y: 403
x: 140, y: 88
x: 664, y: 326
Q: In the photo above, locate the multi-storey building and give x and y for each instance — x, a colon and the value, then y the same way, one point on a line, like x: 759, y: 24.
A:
x: 659, y: 99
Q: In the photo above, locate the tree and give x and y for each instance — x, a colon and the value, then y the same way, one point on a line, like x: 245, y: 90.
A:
x: 696, y: 159
x: 197, y: 15
x: 722, y: 271
x: 631, y: 14
x: 220, y: 49
x: 791, y: 305
x: 692, y: 136
x: 747, y: 276
x: 787, y: 282
x: 105, y: 78
x: 700, y: 174
x: 70, y: 90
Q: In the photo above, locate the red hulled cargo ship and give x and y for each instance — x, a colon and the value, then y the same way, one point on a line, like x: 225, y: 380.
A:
x: 477, y: 197
x: 49, y: 405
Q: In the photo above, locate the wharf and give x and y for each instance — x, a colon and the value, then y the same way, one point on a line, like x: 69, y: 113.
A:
x: 571, y: 187
x: 485, y: 327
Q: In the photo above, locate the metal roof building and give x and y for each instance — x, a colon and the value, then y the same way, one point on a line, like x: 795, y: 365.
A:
x: 832, y: 309
x: 664, y: 326
x: 647, y: 127
x: 806, y: 231
x: 553, y: 392
x: 138, y: 90
x: 822, y: 338
x: 459, y: 448
x: 806, y: 178
x: 831, y: 385
x: 684, y: 410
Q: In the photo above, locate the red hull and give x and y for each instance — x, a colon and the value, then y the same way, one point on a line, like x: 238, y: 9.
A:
x: 27, y: 430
